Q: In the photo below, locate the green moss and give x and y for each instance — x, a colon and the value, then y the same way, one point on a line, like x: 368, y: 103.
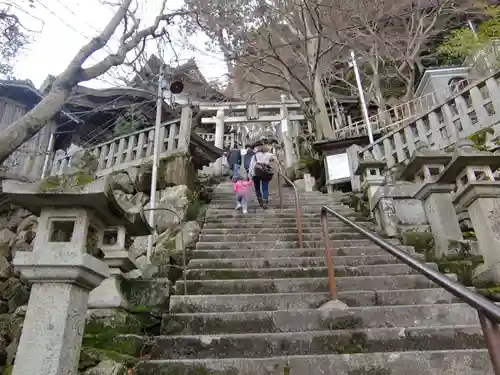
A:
x: 90, y: 357
x: 463, y: 268
x: 421, y: 241
x: 117, y: 323
x: 343, y: 322
x: 83, y: 178
x: 195, y: 208
x: 370, y: 371
x: 146, y: 368
x: 56, y: 183
x: 8, y: 370
x: 130, y: 345
x: 479, y: 138
x: 49, y: 183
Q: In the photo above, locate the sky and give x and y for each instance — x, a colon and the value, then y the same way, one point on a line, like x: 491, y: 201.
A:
x: 62, y: 27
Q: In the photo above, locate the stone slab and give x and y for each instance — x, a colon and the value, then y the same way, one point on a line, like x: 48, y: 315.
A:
x: 470, y: 362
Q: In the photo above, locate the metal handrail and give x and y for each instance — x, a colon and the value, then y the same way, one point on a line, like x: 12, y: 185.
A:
x: 297, y: 204
x: 489, y: 313
x: 184, y: 261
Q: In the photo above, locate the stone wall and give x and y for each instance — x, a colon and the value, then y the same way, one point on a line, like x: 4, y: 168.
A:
x: 113, y: 338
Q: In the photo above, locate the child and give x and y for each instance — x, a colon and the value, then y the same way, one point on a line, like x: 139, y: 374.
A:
x: 242, y: 189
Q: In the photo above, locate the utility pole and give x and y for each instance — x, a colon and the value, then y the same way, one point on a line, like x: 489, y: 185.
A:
x: 154, y: 174
x: 362, y: 98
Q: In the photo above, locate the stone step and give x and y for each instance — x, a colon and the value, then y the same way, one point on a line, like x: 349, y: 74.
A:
x: 249, y: 220
x: 276, y: 237
x: 439, y: 362
x: 350, y: 261
x: 278, y: 244
x: 288, y: 205
x: 291, y: 272
x: 282, y: 301
x: 278, y: 213
x: 319, y: 284
x: 268, y: 253
x: 302, y: 320
x: 371, y: 340
x: 285, y: 229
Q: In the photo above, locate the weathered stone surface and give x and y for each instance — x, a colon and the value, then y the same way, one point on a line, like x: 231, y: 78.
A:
x: 28, y: 224
x: 17, y: 218
x: 9, y: 287
x: 107, y: 367
x: 125, y: 201
x: 165, y: 219
x: 139, y: 246
x: 6, y: 236
x: 122, y: 181
x: 188, y: 235
x: 140, y: 199
x: 6, y: 269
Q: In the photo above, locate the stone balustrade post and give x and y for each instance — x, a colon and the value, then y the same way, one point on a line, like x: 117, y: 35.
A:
x: 478, y: 192
x: 64, y: 267
x: 423, y: 168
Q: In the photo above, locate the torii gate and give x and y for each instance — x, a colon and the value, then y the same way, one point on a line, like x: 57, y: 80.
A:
x: 242, y: 113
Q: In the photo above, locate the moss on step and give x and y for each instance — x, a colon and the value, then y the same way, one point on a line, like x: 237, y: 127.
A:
x: 179, y: 369
x: 343, y: 322
x: 130, y: 345
x: 90, y: 357
x: 463, y: 268
x: 176, y: 325
x: 421, y: 241
x: 370, y: 371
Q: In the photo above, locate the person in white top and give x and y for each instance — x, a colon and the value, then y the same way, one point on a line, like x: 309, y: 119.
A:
x: 261, y: 173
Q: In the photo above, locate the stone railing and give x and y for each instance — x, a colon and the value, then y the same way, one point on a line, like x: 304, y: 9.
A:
x: 471, y: 110
x: 397, y: 116
x: 134, y: 149
x: 210, y: 137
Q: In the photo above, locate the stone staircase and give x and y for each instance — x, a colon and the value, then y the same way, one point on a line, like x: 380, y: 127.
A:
x: 252, y: 303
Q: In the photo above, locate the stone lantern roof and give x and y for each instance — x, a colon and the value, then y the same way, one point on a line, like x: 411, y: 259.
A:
x: 96, y: 196
x: 421, y: 158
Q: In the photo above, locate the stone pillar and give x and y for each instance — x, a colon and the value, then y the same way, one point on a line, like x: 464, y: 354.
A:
x: 109, y: 294
x: 478, y: 191
x: 442, y: 219
x: 424, y: 168
x: 185, y: 127
x: 285, y: 134
x: 62, y: 273
x: 353, y: 158
x: 219, y: 139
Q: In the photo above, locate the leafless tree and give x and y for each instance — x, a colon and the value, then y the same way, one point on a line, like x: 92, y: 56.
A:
x: 295, y: 46
x: 132, y: 38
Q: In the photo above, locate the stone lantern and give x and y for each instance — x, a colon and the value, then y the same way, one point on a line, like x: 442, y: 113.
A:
x: 114, y: 242
x: 477, y: 191
x: 371, y: 174
x: 64, y: 267
x: 424, y: 168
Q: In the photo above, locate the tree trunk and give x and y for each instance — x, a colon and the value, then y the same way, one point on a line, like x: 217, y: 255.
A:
x: 31, y: 123
x: 323, y: 127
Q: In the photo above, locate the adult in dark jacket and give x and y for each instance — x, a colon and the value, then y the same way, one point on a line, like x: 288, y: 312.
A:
x: 234, y: 161
x: 248, y: 158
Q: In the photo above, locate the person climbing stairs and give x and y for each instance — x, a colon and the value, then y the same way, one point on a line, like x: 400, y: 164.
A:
x: 252, y: 302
